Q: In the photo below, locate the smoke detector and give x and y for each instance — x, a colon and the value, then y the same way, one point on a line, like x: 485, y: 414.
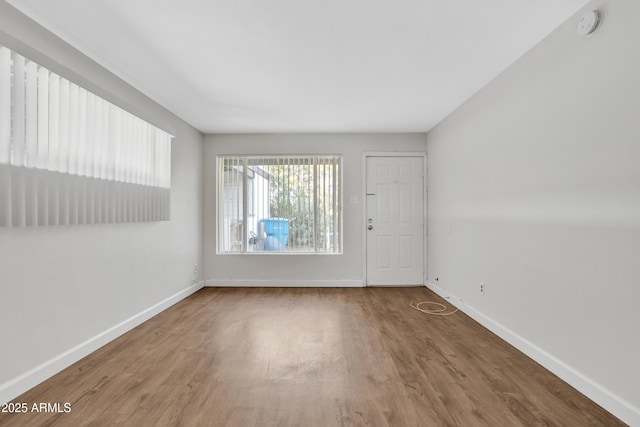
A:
x: 589, y: 22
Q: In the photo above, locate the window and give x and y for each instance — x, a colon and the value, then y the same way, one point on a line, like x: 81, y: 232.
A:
x: 275, y: 204
x: 68, y: 156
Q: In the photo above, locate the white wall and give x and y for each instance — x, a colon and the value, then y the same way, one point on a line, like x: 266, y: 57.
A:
x: 61, y: 286
x: 534, y: 188
x: 298, y: 270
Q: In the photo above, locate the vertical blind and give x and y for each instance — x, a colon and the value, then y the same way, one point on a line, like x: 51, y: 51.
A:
x: 67, y: 156
x: 287, y: 204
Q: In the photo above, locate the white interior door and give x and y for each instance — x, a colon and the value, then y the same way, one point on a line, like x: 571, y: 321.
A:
x: 395, y: 221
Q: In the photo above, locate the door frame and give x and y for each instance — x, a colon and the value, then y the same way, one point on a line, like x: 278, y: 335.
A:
x: 363, y: 196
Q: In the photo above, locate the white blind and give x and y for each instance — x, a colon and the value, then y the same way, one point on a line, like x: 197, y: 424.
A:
x: 68, y: 156
x: 275, y: 204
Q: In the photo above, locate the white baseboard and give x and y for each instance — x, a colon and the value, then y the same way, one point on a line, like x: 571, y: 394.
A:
x: 16, y: 386
x: 619, y: 407
x: 285, y: 283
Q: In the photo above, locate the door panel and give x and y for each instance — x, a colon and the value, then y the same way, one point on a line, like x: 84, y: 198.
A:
x: 395, y: 221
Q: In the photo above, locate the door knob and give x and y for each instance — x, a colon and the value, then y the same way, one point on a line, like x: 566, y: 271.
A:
x: 370, y: 227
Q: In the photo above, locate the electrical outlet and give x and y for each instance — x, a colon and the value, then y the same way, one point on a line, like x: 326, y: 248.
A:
x: 483, y: 288
x: 195, y: 272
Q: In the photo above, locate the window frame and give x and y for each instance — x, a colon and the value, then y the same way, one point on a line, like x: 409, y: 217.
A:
x: 220, y: 207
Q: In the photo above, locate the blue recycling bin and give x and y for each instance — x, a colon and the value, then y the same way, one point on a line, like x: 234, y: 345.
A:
x: 277, y: 228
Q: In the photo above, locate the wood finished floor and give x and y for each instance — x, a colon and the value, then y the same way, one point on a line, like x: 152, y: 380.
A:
x: 308, y: 357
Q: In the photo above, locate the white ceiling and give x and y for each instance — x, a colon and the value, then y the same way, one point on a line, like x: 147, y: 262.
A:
x: 242, y: 66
